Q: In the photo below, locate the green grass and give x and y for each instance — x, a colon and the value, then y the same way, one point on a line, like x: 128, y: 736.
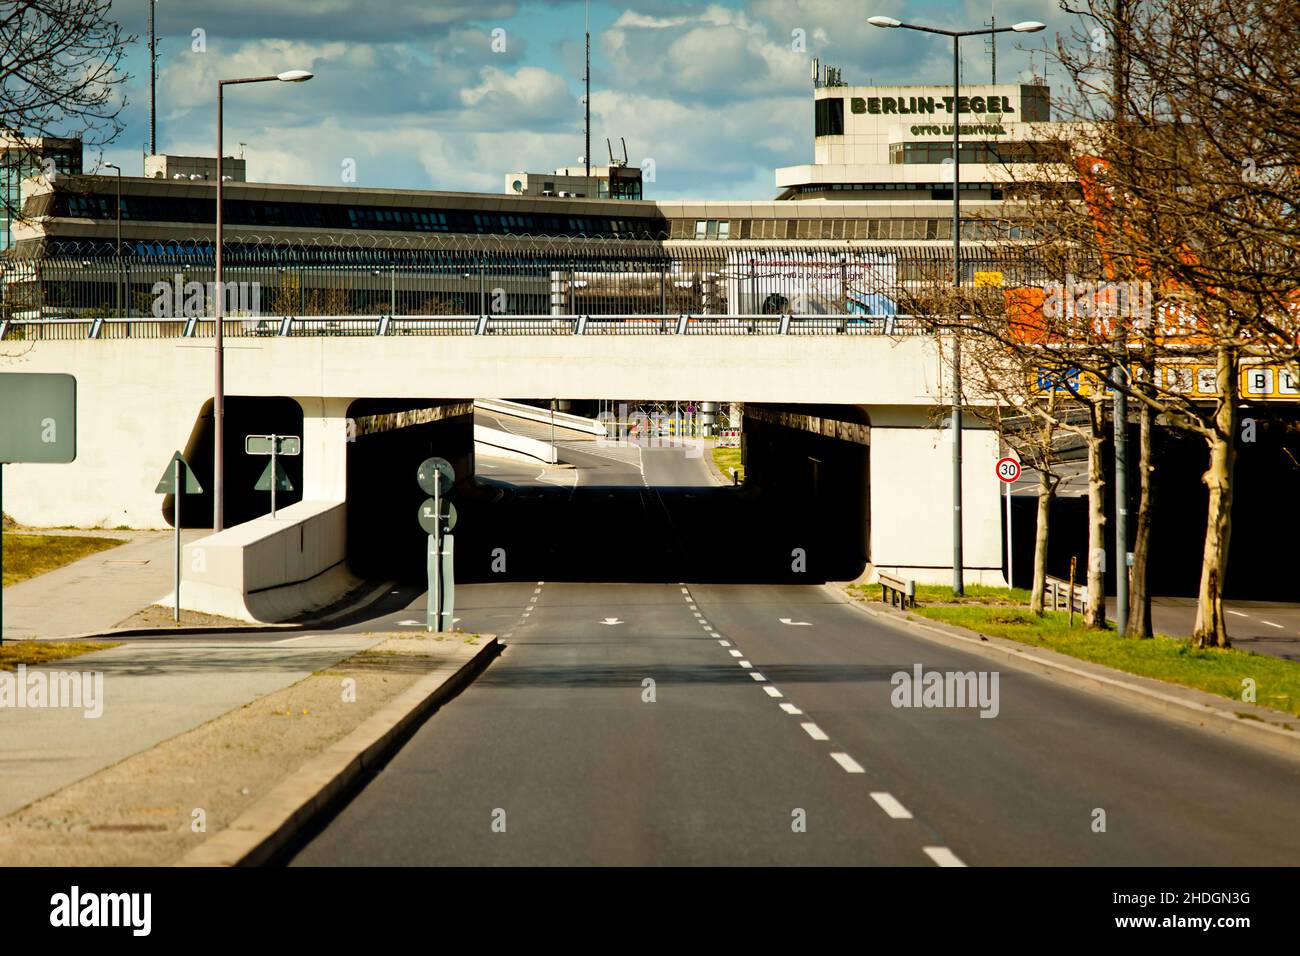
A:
x: 728, y: 458
x: 1277, y: 681
x: 31, y: 653
x: 27, y: 555
x: 942, y: 594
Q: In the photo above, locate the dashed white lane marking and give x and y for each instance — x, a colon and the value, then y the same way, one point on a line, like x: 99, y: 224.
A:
x: 705, y: 624
x: 848, y: 763
x: 725, y: 643
x: 757, y: 676
x: 714, y: 634
x: 891, y: 806
x: 540, y: 583
x: 815, y: 732
x: 684, y: 591
x: 771, y: 691
x: 791, y: 709
x: 745, y: 664
x: 537, y: 590
x: 943, y: 856
x: 1271, y: 624
x: 1238, y: 614
x: 698, y: 614
x: 735, y: 653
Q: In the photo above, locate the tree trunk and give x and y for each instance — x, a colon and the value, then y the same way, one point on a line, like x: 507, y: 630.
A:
x: 1095, y: 616
x: 1046, y: 492
x: 1139, y: 620
x: 1211, y: 628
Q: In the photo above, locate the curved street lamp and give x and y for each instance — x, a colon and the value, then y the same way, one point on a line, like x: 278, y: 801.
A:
x: 1025, y: 26
x: 219, y: 385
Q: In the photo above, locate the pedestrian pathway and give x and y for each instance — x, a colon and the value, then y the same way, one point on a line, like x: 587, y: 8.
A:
x: 97, y: 592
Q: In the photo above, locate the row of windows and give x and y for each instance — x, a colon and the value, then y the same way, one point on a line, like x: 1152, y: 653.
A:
x: 985, y: 152
x: 911, y: 229
x: 329, y: 216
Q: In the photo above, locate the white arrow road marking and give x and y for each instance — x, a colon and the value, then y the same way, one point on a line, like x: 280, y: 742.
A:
x: 611, y: 620
x: 793, y: 623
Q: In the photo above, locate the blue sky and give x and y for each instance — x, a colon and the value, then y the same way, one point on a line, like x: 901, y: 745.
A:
x: 414, y: 95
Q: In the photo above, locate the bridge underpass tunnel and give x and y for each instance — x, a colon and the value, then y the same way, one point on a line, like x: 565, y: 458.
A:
x: 387, y: 441
x: 245, y: 415
x: 645, y: 502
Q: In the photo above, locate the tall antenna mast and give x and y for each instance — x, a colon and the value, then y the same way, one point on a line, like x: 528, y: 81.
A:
x: 991, y: 41
x: 586, y: 153
x: 153, y: 90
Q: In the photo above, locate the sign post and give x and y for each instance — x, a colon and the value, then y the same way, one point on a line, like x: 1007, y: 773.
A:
x: 177, y: 480
x: 1009, y: 472
x: 38, y: 426
x: 437, y: 517
x: 275, y: 446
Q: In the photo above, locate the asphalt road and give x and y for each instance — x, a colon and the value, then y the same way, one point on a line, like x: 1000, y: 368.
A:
x: 680, y: 723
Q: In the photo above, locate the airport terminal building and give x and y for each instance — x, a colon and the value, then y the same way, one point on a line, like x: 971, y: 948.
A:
x: 878, y: 186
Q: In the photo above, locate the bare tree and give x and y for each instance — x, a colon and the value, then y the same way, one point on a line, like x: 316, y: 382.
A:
x: 59, y: 77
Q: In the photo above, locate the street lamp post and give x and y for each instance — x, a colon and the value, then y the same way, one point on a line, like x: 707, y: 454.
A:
x: 117, y: 249
x: 1027, y: 26
x: 219, y: 372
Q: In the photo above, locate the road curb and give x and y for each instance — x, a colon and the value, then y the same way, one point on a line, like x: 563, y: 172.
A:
x: 259, y: 833
x: 1187, y: 704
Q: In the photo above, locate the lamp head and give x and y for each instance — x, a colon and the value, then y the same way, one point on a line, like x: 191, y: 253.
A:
x: 1028, y: 26
x: 884, y: 22
x: 294, y: 76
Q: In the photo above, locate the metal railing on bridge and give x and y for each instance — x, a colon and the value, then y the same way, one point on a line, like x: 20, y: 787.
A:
x: 67, y: 328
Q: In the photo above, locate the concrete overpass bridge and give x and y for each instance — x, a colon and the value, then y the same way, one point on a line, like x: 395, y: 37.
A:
x: 840, y: 409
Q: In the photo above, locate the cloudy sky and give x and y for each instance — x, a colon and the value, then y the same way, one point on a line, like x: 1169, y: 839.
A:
x: 425, y: 94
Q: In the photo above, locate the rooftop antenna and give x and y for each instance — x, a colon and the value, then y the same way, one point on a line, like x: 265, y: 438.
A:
x: 153, y: 82
x: 624, y: 142
x: 241, y: 150
x: 991, y: 41
x: 586, y: 100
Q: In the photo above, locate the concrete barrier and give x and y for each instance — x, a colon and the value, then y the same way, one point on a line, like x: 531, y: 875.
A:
x: 491, y: 441
x: 268, y: 570
x: 534, y: 414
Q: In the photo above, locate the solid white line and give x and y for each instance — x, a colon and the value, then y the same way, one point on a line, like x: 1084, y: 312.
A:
x: 815, y: 732
x: 891, y: 806
x: 305, y: 637
x: 1271, y: 624
x: 756, y: 675
x: 943, y: 856
x: 791, y: 709
x: 745, y: 664
x: 848, y: 763
x: 772, y: 691
x: 735, y: 653
x: 1239, y: 614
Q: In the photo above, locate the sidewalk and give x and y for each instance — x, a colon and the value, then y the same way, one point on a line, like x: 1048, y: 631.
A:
x: 97, y: 592
x: 152, y: 691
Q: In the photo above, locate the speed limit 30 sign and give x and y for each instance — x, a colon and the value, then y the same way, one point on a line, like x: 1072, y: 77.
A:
x: 1008, y: 469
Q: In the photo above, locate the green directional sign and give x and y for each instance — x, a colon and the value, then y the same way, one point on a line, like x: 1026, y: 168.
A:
x: 282, y: 482
x: 262, y: 445
x: 167, y: 483
x: 38, y: 417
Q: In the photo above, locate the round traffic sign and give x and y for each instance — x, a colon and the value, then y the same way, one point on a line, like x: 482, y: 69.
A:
x: 1008, y: 469
x: 427, y: 521
x: 429, y: 471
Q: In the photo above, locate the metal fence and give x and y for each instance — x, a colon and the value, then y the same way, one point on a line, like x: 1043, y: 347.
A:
x: 590, y: 279
x: 64, y: 328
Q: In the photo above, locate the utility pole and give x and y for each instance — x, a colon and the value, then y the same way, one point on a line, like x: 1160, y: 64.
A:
x: 586, y: 75
x: 153, y: 83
